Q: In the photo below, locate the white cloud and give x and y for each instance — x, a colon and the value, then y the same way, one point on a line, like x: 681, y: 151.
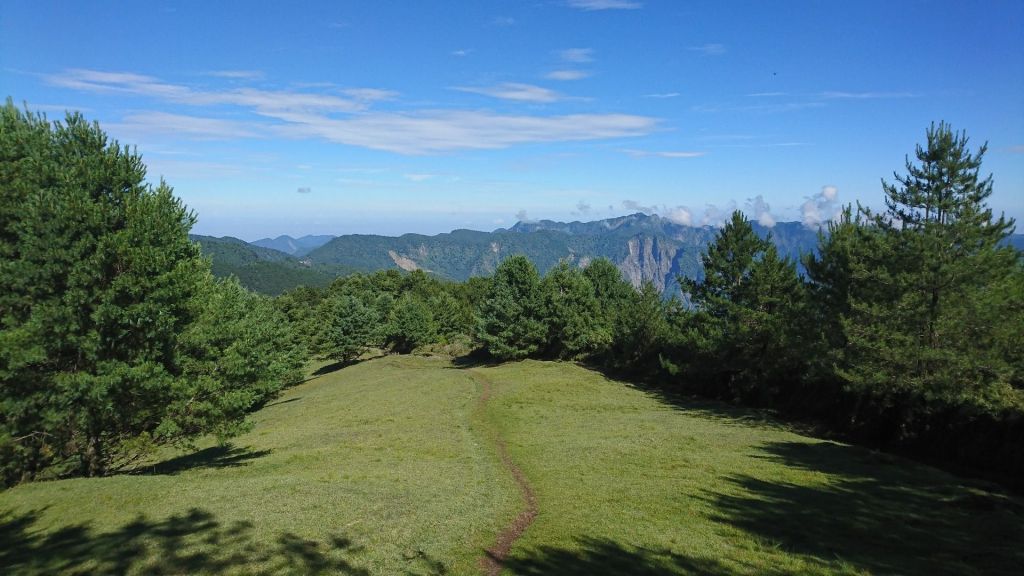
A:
x: 567, y: 75
x: 761, y: 210
x: 1018, y: 149
x: 577, y: 55
x: 419, y: 177
x: 350, y: 121
x: 820, y: 208
x: 766, y: 94
x: 304, y: 190
x: 709, y: 49
x: 663, y: 153
x: 137, y: 84
x: 435, y: 131
x: 583, y: 208
x: 140, y: 125
x: 680, y: 215
x: 514, y: 91
x: 521, y: 216
x: 662, y: 95
x: 591, y: 5
x: 237, y: 74
x: 866, y: 95
x: 462, y: 52
x: 370, y: 94
x: 503, y: 21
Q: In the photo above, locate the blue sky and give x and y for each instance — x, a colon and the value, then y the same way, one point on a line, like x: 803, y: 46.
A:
x: 389, y: 117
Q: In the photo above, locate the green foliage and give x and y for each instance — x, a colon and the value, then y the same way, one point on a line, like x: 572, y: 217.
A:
x: 348, y: 328
x: 640, y: 330
x: 511, y: 322
x: 98, y: 283
x: 576, y: 327
x: 237, y: 354
x: 936, y: 300
x: 410, y: 325
x: 745, y: 330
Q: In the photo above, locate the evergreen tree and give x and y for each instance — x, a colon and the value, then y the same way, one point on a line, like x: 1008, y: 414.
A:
x: 97, y: 281
x: 744, y: 330
x: 236, y: 355
x: 572, y: 313
x: 936, y: 288
x: 639, y: 331
x: 410, y: 325
x: 349, y: 328
x: 511, y: 326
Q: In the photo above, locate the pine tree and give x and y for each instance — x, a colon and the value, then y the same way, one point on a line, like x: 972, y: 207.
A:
x: 744, y: 330
x: 935, y: 284
x: 349, y: 328
x: 410, y: 325
x: 97, y: 281
x: 572, y: 314
x: 511, y: 325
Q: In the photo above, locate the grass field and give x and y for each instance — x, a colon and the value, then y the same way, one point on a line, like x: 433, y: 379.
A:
x: 391, y: 467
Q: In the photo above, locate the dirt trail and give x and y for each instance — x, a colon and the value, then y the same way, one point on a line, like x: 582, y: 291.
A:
x: 494, y: 557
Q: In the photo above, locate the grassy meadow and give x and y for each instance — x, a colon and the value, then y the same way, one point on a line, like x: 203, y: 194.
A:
x: 390, y: 467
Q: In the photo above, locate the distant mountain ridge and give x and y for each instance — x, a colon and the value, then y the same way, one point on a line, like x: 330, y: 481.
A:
x: 646, y: 248
x: 294, y: 246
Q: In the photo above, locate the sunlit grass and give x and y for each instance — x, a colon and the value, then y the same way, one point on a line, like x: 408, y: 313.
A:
x: 387, y: 467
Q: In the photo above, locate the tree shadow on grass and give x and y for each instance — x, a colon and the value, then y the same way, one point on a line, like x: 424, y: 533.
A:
x: 877, y: 513
x: 190, y: 543
x: 215, y: 457
x: 606, y: 557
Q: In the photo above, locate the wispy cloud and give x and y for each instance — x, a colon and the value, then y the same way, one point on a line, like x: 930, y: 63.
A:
x: 141, y: 124
x: 1018, y: 149
x: 867, y: 95
x: 435, y: 131
x: 577, y: 55
x: 236, y: 74
x: 503, y: 21
x: 140, y: 85
x: 567, y: 75
x: 709, y: 49
x: 419, y: 177
x: 350, y: 121
x: 663, y: 153
x: 766, y: 94
x: 370, y: 94
x: 462, y: 52
x: 514, y: 91
x: 662, y: 95
x: 591, y: 5
x: 304, y: 190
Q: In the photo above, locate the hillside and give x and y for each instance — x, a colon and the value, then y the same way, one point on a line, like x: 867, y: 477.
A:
x: 293, y: 246
x: 262, y: 269
x: 644, y: 247
x: 647, y: 248
x: 406, y: 465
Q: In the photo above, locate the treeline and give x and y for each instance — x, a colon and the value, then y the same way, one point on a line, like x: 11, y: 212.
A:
x: 904, y: 333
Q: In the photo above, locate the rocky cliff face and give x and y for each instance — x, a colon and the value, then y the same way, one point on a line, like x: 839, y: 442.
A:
x: 650, y: 259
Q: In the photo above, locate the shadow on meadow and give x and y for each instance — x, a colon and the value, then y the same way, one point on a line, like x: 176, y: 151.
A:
x: 215, y: 457
x: 876, y: 513
x: 191, y: 543
x: 604, y: 557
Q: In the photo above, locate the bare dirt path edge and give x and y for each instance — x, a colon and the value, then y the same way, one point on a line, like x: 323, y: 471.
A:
x: 494, y: 557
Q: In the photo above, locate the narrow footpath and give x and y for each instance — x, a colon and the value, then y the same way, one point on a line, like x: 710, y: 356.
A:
x: 494, y: 557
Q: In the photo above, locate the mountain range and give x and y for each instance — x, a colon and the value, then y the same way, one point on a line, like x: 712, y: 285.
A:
x: 646, y: 247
